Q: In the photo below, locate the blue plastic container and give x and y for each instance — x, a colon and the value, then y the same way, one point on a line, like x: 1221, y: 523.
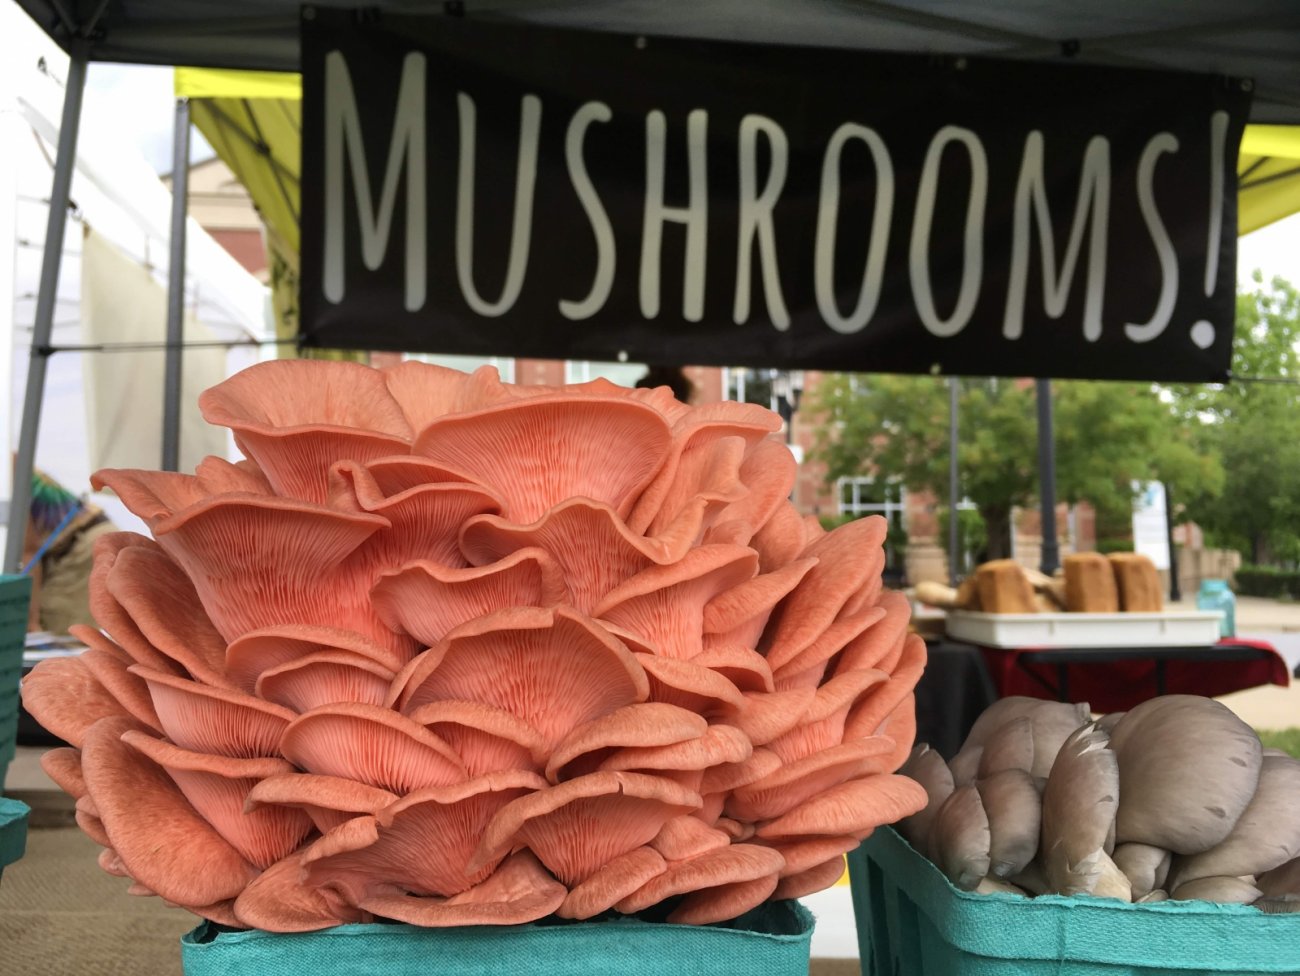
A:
x: 1215, y: 594
x: 15, y: 591
x: 13, y: 831
x: 772, y: 940
x: 913, y: 922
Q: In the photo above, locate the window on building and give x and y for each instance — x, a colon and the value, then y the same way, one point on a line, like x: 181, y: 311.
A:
x: 467, y: 364
x: 873, y: 496
x: 749, y: 386
x: 586, y: 370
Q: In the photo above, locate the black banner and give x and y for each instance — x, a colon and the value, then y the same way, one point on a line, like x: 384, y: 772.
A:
x: 490, y: 189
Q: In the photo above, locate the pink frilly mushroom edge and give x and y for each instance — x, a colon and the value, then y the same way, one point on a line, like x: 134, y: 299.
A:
x: 449, y: 651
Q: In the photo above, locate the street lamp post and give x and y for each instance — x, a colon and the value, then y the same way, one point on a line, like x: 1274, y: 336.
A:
x: 787, y: 390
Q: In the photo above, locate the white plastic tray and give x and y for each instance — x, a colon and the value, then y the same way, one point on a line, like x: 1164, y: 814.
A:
x: 1183, y: 628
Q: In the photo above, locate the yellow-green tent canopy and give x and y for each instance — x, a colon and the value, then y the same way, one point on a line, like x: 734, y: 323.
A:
x: 253, y: 119
x: 1268, y: 175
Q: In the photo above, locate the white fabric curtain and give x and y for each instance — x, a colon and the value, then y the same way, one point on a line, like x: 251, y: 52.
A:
x: 121, y: 302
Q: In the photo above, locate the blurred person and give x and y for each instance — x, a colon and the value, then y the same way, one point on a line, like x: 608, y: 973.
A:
x: 673, y: 377
x: 58, y: 555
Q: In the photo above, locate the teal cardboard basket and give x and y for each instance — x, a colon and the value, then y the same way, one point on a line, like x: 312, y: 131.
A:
x: 913, y: 922
x: 15, y: 591
x: 13, y: 831
x: 773, y: 940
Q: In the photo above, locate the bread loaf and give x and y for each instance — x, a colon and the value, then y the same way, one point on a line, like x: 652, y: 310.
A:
x: 1138, y: 583
x: 1090, y: 584
x: 968, y: 594
x: 1004, y: 588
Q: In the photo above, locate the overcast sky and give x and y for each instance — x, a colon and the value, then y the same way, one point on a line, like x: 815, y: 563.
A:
x: 142, y: 102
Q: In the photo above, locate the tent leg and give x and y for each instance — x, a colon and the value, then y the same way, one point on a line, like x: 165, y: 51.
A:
x: 64, y: 165
x: 1051, y: 558
x: 953, y: 485
x: 171, y: 432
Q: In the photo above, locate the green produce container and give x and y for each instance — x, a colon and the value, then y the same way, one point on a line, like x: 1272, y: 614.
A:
x: 773, y: 940
x: 13, y: 831
x: 913, y: 922
x: 15, y: 591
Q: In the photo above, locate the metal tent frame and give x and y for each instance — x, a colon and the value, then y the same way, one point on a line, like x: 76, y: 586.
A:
x: 1258, y: 39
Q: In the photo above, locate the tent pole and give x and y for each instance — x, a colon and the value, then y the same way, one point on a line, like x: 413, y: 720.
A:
x: 953, y: 485
x: 64, y: 165
x: 171, y: 432
x: 1051, y: 558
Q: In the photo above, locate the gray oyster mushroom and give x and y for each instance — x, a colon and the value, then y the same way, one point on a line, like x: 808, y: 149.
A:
x: 1151, y: 897
x: 1234, y: 891
x: 1108, y: 721
x: 965, y: 765
x: 927, y: 768
x: 1052, y: 724
x: 1033, y: 878
x: 1284, y: 880
x: 991, y: 885
x: 1010, y: 747
x: 1266, y: 836
x: 1188, y: 768
x: 959, y: 838
x: 1146, y: 867
x: 1014, y: 811
x: 1279, y: 904
x: 1079, y: 805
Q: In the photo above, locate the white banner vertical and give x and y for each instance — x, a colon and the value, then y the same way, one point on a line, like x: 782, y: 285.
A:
x: 9, y: 135
x: 121, y: 302
x: 1151, y: 523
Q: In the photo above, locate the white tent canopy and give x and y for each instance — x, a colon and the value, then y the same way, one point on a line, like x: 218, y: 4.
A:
x: 119, y: 195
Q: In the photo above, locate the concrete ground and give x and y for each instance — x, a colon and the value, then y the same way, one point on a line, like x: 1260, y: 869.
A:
x: 60, y: 915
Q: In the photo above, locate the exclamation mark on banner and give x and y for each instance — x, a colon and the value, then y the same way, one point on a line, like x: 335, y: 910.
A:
x: 1203, y: 332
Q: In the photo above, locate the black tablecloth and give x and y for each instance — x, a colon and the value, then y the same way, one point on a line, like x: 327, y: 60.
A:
x: 951, y: 694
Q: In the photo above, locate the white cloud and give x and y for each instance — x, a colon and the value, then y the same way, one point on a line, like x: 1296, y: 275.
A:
x: 139, y: 102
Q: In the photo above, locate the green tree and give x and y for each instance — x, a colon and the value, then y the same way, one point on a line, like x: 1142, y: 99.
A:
x: 1108, y: 435
x: 1253, y: 423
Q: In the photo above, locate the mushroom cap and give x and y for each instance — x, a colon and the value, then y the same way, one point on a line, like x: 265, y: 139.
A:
x: 612, y: 882
x: 1145, y: 866
x: 174, y: 852
x: 1014, y: 810
x: 553, y: 668
x: 722, y: 866
x: 346, y: 739
x: 279, y: 900
x: 580, y: 824
x: 547, y: 450
x: 1188, y: 768
x: 67, y: 699
x: 518, y: 891
x: 854, y: 808
x: 1266, y: 836
x: 1228, y: 891
x: 644, y: 724
x: 960, y: 838
x: 1282, y: 880
x: 429, y: 600
x: 927, y: 767
x: 1079, y: 804
x: 1009, y: 747
x: 215, y: 720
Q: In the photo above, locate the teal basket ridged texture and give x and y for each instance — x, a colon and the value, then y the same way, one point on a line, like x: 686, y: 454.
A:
x: 773, y: 940
x: 913, y: 922
x: 13, y: 833
x: 15, y: 591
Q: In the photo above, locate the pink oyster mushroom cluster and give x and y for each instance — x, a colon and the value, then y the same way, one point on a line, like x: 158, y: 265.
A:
x: 450, y: 651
